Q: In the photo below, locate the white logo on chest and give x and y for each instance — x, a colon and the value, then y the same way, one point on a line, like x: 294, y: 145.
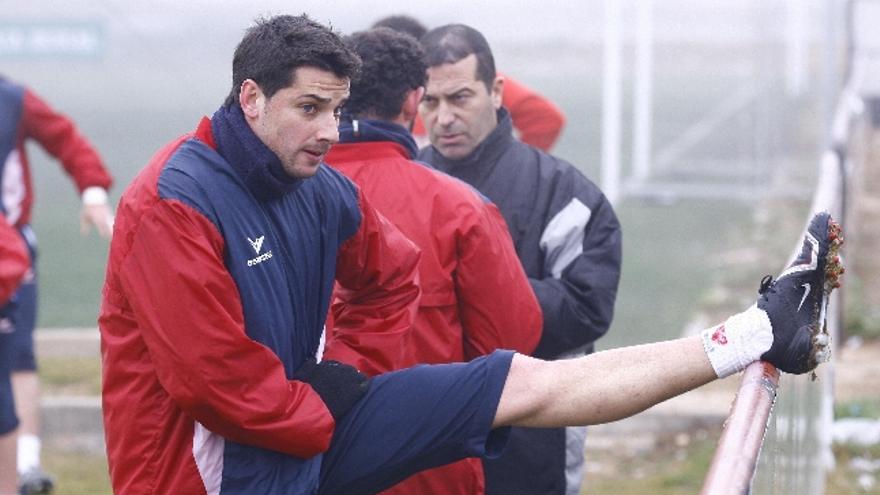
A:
x: 257, y: 244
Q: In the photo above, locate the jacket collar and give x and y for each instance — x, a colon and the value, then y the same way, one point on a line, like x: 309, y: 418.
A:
x: 369, y: 130
x: 480, y: 161
x: 255, y: 164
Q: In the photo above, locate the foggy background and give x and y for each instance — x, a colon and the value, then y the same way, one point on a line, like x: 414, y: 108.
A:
x: 135, y: 74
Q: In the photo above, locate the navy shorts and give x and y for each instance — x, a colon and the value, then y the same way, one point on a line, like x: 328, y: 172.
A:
x: 414, y: 419
x: 25, y: 312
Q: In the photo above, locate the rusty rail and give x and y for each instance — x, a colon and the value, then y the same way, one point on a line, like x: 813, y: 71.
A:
x: 736, y: 457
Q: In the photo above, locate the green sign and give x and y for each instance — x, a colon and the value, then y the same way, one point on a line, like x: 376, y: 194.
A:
x: 37, y: 39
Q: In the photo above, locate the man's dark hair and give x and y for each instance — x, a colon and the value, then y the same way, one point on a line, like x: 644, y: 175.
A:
x: 450, y: 43
x: 404, y: 24
x: 274, y: 47
x: 393, y: 64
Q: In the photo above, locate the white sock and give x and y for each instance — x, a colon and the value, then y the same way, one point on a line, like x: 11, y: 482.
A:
x: 28, y: 453
x: 738, y: 342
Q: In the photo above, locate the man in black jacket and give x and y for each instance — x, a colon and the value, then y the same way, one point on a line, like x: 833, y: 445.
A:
x: 565, y: 232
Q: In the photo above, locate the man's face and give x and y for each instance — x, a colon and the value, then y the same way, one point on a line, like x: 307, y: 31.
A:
x: 298, y: 123
x: 457, y: 109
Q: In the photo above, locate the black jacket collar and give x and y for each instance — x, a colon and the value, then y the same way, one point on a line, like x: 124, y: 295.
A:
x: 480, y: 162
x: 368, y: 130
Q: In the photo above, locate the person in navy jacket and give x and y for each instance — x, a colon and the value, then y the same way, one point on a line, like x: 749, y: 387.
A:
x: 223, y: 260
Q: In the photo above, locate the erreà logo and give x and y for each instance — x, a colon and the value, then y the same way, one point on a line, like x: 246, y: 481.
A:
x: 257, y: 244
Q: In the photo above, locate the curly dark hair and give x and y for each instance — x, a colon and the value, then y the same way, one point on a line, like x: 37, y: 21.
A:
x: 403, y: 23
x: 273, y: 48
x: 450, y: 43
x: 393, y: 64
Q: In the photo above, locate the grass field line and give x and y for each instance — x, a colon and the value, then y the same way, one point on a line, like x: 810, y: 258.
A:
x: 67, y: 342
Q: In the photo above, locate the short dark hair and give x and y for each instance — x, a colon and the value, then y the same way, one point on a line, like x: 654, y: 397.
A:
x: 403, y: 23
x: 273, y: 48
x: 393, y: 64
x: 450, y: 43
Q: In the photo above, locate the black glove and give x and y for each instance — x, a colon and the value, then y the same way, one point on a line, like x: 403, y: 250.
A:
x: 339, y: 385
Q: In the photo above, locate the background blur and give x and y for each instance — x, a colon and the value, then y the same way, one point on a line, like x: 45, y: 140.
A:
x: 704, y: 121
x: 136, y: 74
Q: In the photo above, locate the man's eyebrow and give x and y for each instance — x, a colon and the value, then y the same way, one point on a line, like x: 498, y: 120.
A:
x: 312, y: 96
x: 447, y: 95
x: 459, y: 91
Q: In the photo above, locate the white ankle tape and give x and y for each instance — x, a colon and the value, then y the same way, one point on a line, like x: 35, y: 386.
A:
x: 738, y: 342
x: 28, y: 453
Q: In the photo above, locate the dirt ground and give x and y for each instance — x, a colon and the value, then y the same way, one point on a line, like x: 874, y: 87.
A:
x: 858, y: 362
x: 857, y: 372
x: 858, y: 369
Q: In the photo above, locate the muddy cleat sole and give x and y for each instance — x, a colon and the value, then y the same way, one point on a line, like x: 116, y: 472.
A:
x: 797, y: 301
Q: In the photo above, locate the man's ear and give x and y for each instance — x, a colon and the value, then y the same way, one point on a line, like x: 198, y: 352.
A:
x: 411, y: 101
x: 251, y: 98
x: 497, y: 91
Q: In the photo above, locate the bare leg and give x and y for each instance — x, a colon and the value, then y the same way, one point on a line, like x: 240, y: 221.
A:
x: 602, y: 387
x: 8, y: 472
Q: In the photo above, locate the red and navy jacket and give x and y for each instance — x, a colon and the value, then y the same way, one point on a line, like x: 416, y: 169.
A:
x: 14, y: 261
x: 217, y: 289
x: 23, y: 116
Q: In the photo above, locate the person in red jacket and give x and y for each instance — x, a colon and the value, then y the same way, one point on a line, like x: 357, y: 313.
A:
x: 14, y: 264
x: 536, y: 120
x: 25, y: 117
x: 475, y: 295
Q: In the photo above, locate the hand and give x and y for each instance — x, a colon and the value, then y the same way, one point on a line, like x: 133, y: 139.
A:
x: 98, y: 215
x: 7, y: 323
x: 339, y: 385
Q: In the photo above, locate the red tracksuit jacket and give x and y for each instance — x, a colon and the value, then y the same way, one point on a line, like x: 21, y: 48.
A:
x: 29, y: 117
x: 475, y: 295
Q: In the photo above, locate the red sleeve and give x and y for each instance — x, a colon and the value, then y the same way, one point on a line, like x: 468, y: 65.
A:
x: 418, y: 128
x: 377, y: 296
x: 14, y: 260
x: 538, y: 121
x: 498, y: 308
x: 60, y: 137
x: 191, y: 319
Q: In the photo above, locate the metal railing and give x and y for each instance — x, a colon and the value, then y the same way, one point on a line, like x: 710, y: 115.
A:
x: 737, y: 453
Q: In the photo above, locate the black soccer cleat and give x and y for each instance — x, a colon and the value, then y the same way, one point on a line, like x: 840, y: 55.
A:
x: 796, y: 301
x: 35, y: 482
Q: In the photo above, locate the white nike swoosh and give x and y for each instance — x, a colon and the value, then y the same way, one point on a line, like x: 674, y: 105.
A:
x: 806, y: 293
